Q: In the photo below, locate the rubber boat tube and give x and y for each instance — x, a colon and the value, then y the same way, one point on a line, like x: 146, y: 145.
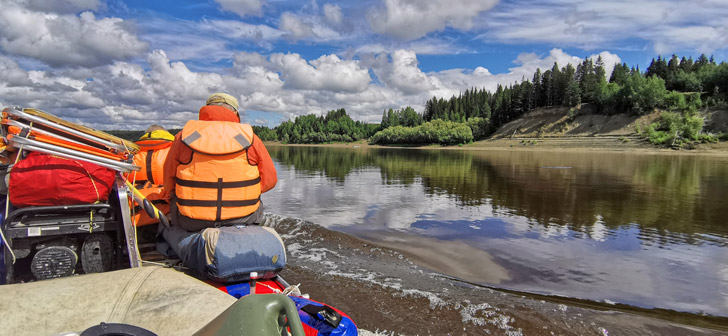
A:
x: 161, y: 300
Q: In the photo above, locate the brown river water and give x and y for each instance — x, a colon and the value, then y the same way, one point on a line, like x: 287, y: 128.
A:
x: 638, y: 232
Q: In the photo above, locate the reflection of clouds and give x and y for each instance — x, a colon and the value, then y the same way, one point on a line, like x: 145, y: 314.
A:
x: 554, y: 231
x: 315, y: 198
x: 723, y: 274
x: 518, y: 224
x: 599, y: 230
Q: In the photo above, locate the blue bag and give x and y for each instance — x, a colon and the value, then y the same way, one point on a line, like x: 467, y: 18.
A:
x: 231, y: 253
x: 327, y: 321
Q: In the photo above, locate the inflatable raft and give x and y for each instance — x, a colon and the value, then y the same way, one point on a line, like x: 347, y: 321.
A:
x: 47, y: 250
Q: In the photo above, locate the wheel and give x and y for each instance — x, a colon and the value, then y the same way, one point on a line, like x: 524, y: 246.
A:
x: 97, y: 253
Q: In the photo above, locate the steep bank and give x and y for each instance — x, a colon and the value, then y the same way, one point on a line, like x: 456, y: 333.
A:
x: 564, y: 128
x: 581, y: 122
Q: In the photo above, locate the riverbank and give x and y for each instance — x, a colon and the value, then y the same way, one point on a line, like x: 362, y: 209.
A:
x: 559, y: 129
x: 385, y: 290
x: 569, y: 144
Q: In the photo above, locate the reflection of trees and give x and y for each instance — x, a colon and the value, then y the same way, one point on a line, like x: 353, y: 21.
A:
x: 334, y: 163
x: 679, y: 194
x: 442, y: 172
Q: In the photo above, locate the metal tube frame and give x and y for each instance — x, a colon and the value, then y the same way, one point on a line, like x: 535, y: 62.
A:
x: 43, y: 147
x: 16, y: 123
x: 21, y: 114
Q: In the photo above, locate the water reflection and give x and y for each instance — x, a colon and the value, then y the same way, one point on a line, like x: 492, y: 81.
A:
x: 589, y: 193
x: 649, y: 230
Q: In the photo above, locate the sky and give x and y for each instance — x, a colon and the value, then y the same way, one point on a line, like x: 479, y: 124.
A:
x: 112, y: 64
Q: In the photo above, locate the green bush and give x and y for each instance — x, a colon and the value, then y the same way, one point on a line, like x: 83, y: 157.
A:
x: 675, y: 101
x: 479, y: 126
x: 658, y: 137
x: 693, y: 100
x: 679, y: 129
x: 433, y: 132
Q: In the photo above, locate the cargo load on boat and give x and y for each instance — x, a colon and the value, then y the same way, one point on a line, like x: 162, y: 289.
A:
x: 68, y: 219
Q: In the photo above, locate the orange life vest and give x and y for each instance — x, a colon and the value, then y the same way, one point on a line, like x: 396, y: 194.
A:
x: 154, y: 148
x: 218, y: 183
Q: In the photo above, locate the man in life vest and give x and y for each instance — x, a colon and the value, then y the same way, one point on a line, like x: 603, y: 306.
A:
x: 154, y: 146
x: 215, y: 172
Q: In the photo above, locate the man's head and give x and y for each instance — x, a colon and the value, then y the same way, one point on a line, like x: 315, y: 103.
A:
x: 153, y: 128
x: 224, y: 100
x: 227, y: 110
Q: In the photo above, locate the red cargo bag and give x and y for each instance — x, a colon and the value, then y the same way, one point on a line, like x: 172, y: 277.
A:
x: 43, y: 179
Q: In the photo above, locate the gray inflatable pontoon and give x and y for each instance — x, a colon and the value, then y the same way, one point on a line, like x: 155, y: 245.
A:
x: 162, y: 300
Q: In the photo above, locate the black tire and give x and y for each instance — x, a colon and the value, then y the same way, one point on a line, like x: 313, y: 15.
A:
x: 97, y: 253
x: 116, y: 329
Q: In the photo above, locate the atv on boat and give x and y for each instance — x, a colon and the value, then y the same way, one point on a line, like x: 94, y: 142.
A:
x: 79, y: 267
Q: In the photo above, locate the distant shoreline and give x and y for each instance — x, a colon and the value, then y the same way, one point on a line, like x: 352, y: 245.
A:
x: 718, y: 149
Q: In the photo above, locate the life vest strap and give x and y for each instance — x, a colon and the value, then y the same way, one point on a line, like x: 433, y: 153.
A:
x: 141, y: 184
x: 216, y: 185
x: 214, y: 203
x: 147, y: 146
x: 217, y: 204
x: 150, y: 173
x: 156, y: 202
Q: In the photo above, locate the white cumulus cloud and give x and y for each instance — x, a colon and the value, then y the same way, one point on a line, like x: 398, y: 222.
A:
x: 402, y: 73
x: 412, y: 19
x: 62, y: 40
x: 328, y: 72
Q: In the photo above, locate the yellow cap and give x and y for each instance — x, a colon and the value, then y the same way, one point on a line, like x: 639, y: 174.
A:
x: 223, y: 98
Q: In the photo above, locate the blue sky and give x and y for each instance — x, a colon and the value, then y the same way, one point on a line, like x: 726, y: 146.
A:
x: 125, y: 64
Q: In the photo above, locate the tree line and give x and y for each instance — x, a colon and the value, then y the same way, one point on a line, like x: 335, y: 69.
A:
x: 336, y: 126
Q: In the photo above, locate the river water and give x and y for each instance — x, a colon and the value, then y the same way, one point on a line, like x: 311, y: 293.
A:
x: 644, y: 230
